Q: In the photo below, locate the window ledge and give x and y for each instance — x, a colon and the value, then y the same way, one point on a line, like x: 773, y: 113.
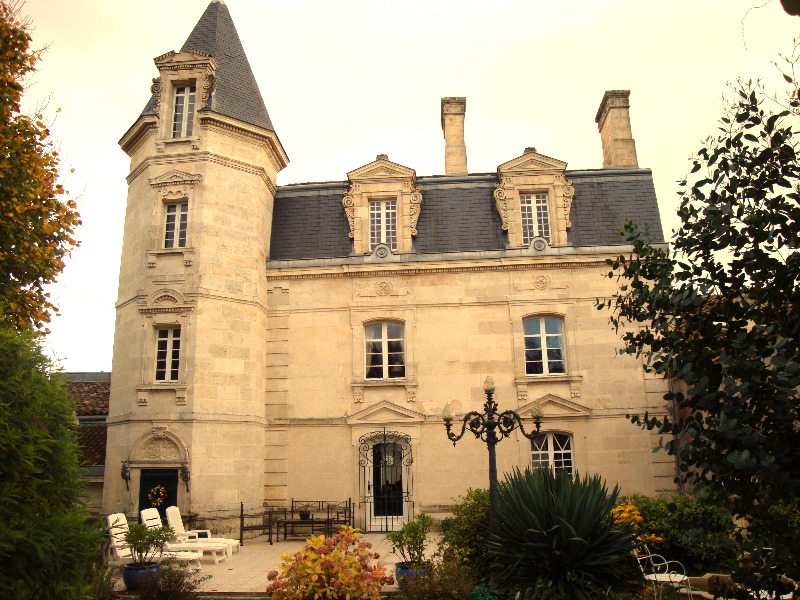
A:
x: 193, y: 141
x: 143, y: 392
x: 573, y: 379
x: 359, y: 385
x: 152, y: 255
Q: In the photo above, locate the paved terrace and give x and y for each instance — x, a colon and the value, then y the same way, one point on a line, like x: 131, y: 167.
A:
x: 246, y: 571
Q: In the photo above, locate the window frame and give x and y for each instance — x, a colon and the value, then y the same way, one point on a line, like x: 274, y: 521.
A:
x: 534, y: 216
x: 384, y: 231
x: 177, y: 230
x: 170, y: 372
x: 186, y: 95
x: 385, y: 352
x: 544, y: 348
x: 555, y: 457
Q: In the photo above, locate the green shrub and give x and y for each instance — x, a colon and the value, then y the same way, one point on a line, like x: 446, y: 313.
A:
x: 691, y: 530
x: 465, y: 533
x: 47, y: 545
x: 447, y: 580
x: 411, y: 539
x: 174, y: 582
x: 555, y: 537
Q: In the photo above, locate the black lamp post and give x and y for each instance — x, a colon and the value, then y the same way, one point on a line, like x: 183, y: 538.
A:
x: 491, y: 427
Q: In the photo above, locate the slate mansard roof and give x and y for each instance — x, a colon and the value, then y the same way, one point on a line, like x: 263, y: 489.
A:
x: 236, y: 94
x: 458, y: 214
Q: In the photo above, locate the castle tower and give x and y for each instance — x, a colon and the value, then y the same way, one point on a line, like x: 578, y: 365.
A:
x: 187, y: 395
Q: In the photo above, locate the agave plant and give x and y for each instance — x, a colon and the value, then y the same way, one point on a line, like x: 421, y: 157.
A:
x: 555, y: 537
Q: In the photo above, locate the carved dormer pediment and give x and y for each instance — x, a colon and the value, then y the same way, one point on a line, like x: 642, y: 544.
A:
x: 554, y: 406
x: 534, y: 199
x: 381, y: 170
x: 531, y: 161
x: 385, y: 412
x: 391, y: 190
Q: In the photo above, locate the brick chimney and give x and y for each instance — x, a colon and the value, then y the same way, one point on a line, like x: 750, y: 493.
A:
x: 455, y: 150
x: 614, y: 123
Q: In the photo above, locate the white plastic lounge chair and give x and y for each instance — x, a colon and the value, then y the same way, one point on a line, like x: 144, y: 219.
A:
x: 152, y: 519
x: 121, y: 553
x: 175, y: 521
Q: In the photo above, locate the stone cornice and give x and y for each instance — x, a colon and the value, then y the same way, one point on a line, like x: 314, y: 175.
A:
x: 194, y: 157
x: 373, y: 270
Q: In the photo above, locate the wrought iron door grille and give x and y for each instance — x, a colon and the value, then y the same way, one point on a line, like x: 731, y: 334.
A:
x: 385, y: 480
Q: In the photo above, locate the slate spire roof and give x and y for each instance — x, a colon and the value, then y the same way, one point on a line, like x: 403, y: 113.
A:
x: 237, y: 94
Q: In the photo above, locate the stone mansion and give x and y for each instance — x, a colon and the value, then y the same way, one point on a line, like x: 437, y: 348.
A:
x: 300, y: 341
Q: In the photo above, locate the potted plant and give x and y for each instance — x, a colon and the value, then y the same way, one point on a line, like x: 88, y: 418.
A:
x: 145, y: 544
x: 409, y: 542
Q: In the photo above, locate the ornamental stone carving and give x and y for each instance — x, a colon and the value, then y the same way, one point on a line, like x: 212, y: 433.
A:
x: 155, y: 89
x: 209, y: 85
x: 416, y: 201
x: 501, y: 200
x: 161, y: 449
x: 349, y: 209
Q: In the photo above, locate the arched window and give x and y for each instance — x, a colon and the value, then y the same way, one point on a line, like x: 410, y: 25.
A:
x: 544, y: 346
x: 553, y: 450
x: 385, y: 350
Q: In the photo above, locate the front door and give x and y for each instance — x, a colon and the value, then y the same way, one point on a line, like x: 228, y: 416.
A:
x: 385, y: 460
x: 158, y: 488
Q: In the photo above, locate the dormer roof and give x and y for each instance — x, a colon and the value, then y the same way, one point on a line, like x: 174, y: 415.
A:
x: 236, y: 94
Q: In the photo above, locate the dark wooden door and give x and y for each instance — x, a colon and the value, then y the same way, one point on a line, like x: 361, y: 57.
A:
x: 151, y: 495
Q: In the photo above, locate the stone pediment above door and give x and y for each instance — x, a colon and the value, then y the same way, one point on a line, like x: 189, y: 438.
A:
x: 555, y: 406
x: 385, y: 412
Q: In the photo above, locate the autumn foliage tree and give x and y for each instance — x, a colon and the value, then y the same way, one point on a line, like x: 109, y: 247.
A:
x: 36, y: 220
x: 720, y: 313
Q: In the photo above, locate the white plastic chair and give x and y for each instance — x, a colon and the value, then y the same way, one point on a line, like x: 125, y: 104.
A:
x: 152, y: 519
x: 121, y: 553
x: 175, y: 521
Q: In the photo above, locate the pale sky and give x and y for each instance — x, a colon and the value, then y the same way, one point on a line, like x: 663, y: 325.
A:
x: 344, y: 81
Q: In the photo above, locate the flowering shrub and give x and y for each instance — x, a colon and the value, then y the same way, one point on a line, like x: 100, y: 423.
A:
x: 330, y: 568
x: 626, y: 512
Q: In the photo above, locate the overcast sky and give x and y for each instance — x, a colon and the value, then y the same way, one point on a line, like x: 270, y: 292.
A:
x: 344, y: 81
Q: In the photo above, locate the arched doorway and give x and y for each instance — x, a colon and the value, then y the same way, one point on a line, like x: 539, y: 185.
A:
x: 385, y: 480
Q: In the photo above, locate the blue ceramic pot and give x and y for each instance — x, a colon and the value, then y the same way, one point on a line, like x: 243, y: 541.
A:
x: 135, y: 575
x: 403, y: 569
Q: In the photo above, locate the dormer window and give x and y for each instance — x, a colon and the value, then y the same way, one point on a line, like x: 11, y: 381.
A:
x: 383, y: 223
x: 183, y: 117
x: 534, y: 199
x: 535, y: 214
x: 382, y: 206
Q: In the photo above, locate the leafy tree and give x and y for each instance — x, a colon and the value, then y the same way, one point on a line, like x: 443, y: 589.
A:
x: 46, y: 547
x: 721, y: 313
x: 36, y: 223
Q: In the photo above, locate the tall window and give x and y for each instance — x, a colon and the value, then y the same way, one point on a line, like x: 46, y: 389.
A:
x: 553, y: 450
x: 385, y: 350
x: 535, y: 217
x: 383, y: 223
x: 544, y: 345
x: 168, y: 354
x: 175, y: 228
x: 183, y: 117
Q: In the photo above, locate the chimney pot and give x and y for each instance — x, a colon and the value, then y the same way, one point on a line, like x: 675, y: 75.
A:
x: 614, y: 123
x: 455, y: 150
